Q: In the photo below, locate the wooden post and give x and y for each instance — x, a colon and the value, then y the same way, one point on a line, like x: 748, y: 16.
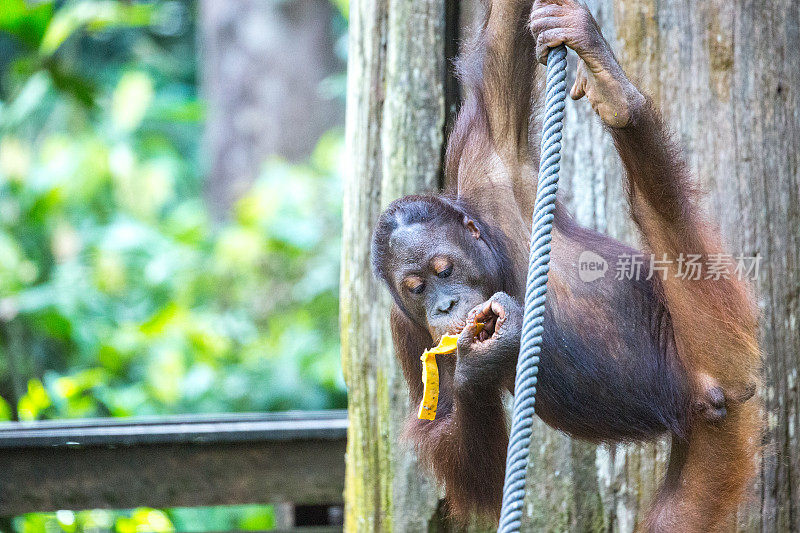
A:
x: 395, y: 137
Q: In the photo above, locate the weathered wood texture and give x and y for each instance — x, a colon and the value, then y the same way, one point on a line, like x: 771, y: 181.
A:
x: 395, y: 135
x: 726, y: 76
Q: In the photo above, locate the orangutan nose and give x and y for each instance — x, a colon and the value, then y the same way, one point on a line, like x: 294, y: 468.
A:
x: 446, y: 304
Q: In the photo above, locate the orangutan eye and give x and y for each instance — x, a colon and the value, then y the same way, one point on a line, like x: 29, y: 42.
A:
x: 446, y: 272
x: 414, y: 285
x: 442, y: 266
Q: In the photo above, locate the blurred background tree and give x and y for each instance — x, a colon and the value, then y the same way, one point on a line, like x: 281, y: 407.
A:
x: 274, y: 83
x: 120, y: 293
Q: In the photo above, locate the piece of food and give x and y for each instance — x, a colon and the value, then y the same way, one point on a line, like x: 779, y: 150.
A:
x: 430, y: 392
x: 430, y: 374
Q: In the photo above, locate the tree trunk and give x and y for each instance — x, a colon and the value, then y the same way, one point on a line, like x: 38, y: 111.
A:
x: 395, y: 137
x: 264, y: 62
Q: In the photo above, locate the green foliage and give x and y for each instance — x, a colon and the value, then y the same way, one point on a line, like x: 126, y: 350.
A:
x: 94, y: 16
x: 145, y: 520
x: 24, y: 20
x: 118, y: 295
x: 343, y: 6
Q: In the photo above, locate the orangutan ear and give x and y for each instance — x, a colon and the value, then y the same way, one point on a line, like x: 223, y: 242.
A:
x: 471, y: 227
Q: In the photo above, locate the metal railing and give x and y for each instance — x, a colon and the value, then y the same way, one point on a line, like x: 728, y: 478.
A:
x: 177, y: 461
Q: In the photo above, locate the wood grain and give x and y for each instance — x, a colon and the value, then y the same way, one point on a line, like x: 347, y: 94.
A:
x: 395, y: 137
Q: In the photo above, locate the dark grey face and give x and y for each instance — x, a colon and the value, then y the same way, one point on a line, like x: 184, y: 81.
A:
x: 438, y: 274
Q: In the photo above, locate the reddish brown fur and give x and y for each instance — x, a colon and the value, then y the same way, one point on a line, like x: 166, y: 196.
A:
x: 466, y: 445
x: 715, y: 331
x: 675, y: 337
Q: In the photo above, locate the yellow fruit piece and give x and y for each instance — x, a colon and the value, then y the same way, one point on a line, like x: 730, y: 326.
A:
x: 430, y: 392
x: 446, y: 345
x: 430, y: 374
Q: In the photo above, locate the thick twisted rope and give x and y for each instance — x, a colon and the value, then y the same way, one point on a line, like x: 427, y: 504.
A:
x: 535, y: 293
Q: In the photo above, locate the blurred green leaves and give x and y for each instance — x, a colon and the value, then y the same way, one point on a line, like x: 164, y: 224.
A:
x: 93, y: 16
x: 135, y: 313
x: 146, y: 520
x: 25, y: 20
x: 130, y: 101
x: 40, y: 30
x: 5, y: 411
x: 118, y: 295
x: 343, y: 6
x: 34, y: 402
x: 40, y: 26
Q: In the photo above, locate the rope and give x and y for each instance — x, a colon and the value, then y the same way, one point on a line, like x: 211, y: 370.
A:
x: 535, y: 293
